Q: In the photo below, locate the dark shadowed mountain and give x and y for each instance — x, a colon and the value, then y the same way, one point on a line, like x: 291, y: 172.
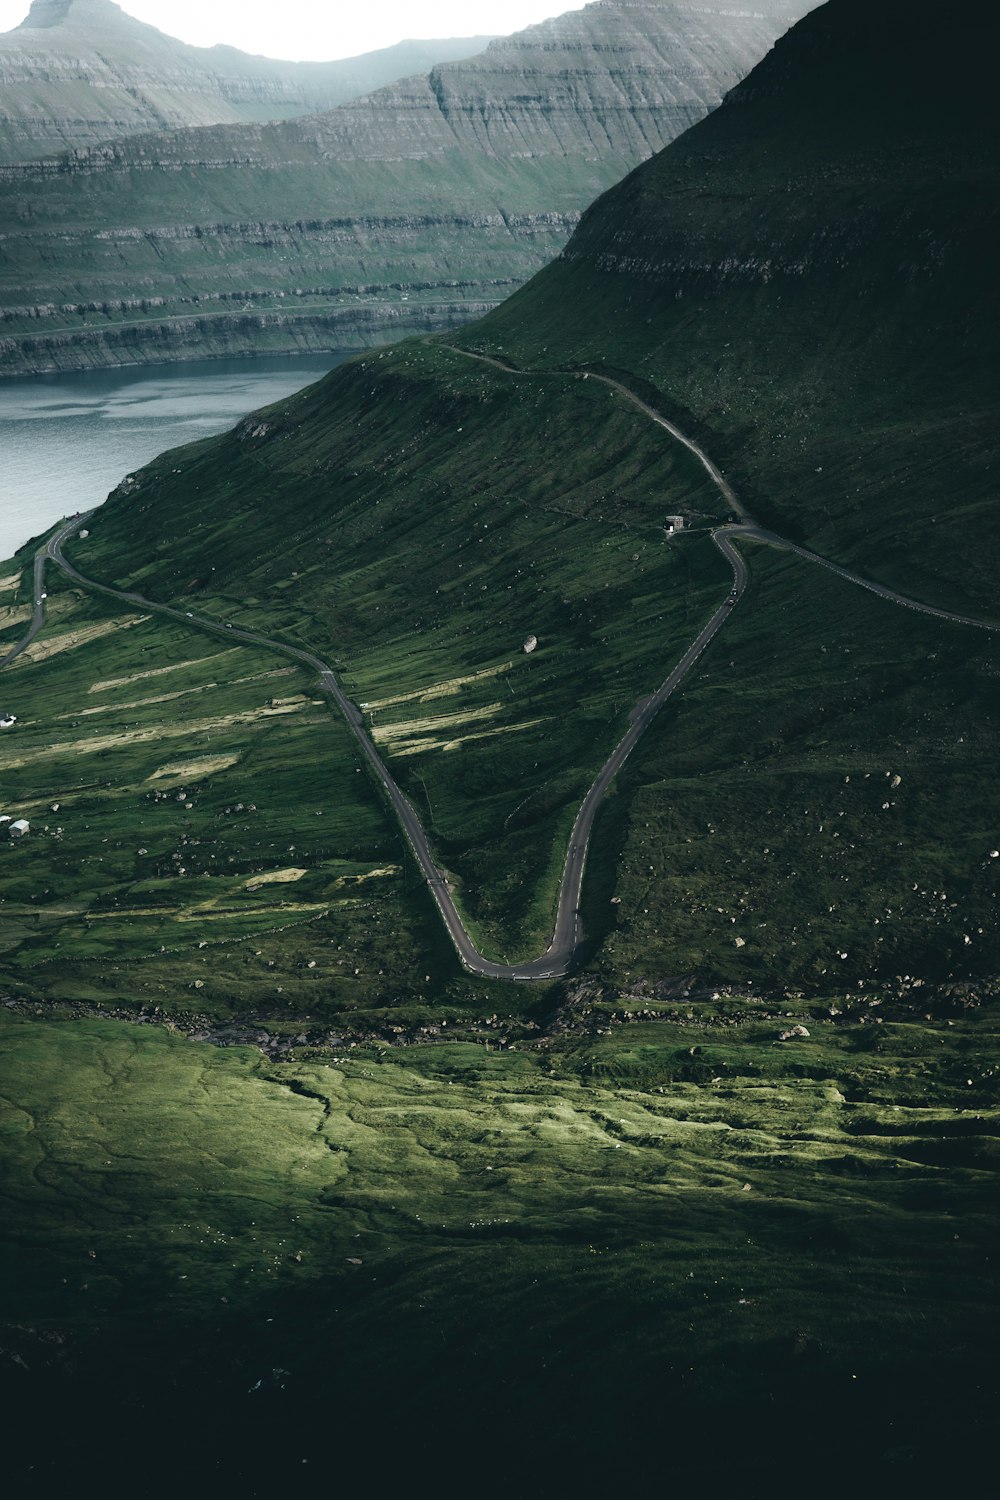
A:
x: 809, y: 278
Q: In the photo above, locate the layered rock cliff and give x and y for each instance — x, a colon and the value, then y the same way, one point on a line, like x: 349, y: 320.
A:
x: 76, y: 72
x: 417, y: 205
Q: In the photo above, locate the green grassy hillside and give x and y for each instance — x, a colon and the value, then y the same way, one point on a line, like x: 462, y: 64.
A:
x: 807, y: 277
x: 417, y: 551
x: 718, y: 1212
x: 202, y: 842
x: 817, y: 807
x: 416, y: 516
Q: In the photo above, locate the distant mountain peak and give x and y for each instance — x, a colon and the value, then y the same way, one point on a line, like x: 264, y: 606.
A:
x: 45, y: 14
x: 76, y: 72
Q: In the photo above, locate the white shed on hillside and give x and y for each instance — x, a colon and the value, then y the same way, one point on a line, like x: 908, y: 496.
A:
x: 20, y: 828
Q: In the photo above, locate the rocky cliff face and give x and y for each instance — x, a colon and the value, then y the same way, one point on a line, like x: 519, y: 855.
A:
x: 429, y: 198
x: 76, y: 72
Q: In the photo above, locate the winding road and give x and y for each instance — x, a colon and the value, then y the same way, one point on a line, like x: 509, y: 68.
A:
x: 557, y: 960
x: 42, y: 556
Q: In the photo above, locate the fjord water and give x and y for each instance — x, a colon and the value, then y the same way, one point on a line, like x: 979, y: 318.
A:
x: 67, y: 440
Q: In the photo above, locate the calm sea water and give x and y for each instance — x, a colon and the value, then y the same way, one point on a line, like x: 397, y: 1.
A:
x: 67, y: 440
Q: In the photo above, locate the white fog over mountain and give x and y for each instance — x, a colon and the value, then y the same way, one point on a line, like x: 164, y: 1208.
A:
x: 303, y: 31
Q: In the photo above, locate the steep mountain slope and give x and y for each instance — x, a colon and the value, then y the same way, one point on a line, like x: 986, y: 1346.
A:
x: 808, y: 278
x: 726, y: 1203
x: 76, y: 72
x: 817, y: 807
x: 413, y: 208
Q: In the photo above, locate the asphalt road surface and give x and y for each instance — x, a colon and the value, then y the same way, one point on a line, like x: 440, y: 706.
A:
x: 754, y: 533
x: 714, y: 472
x: 42, y: 556
x: 558, y: 958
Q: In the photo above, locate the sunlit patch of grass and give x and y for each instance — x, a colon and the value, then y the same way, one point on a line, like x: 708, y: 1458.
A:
x: 48, y: 646
x: 153, y: 828
x: 683, y: 1193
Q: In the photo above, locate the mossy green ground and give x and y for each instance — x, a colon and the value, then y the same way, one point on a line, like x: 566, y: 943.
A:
x: 414, y: 524
x: 600, y: 1247
x: 817, y: 805
x: 417, y: 515
x: 202, y: 839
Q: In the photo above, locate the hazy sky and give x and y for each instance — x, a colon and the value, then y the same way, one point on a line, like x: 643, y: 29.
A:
x: 313, y: 29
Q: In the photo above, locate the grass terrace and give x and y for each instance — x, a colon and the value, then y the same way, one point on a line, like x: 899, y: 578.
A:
x: 201, y: 837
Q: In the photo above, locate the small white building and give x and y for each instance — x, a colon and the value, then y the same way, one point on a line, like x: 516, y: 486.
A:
x: 530, y: 645
x: 7, y: 721
x: 20, y: 829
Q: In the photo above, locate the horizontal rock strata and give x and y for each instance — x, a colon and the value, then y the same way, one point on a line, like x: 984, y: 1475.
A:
x: 432, y: 198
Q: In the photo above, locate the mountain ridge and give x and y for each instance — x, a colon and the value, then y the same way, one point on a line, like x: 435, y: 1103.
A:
x: 512, y: 145
x: 76, y: 72
x: 857, y: 250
